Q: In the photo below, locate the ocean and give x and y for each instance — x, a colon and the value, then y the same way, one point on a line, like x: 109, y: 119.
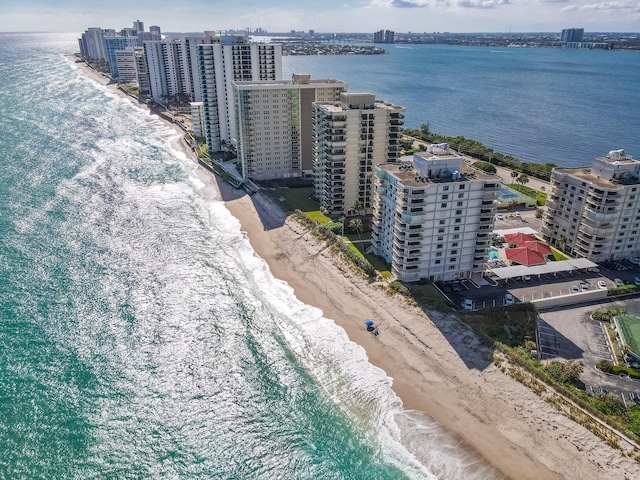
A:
x: 140, y: 335
x: 564, y: 106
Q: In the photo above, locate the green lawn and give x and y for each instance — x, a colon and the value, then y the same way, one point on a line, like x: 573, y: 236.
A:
x: 302, y: 199
x: 541, y: 197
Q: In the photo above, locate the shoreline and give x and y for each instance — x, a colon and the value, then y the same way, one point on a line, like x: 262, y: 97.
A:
x: 437, y: 365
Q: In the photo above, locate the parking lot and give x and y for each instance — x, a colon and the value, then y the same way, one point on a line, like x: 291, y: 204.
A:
x: 569, y: 333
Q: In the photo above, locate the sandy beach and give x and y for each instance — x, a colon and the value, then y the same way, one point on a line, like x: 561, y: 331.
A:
x: 437, y: 365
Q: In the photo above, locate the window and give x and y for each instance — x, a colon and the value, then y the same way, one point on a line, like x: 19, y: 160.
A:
x: 445, y: 197
x: 461, y: 187
x: 443, y: 205
x: 461, y: 195
x: 446, y: 189
x: 441, y: 230
x: 455, y: 244
x: 458, y: 220
x: 440, y: 239
x: 452, y: 260
x: 456, y: 229
x: 454, y: 252
x: 458, y: 212
x: 439, y: 246
x: 459, y: 204
x: 441, y: 222
x: 438, y: 262
x: 455, y: 237
x: 438, y: 254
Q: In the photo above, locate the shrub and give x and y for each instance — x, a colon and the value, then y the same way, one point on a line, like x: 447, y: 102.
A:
x: 485, y: 166
x: 605, y: 365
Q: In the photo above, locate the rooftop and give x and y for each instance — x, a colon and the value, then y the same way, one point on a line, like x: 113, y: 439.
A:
x: 407, y: 174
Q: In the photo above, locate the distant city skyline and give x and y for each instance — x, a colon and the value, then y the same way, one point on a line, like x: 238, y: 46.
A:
x: 416, y: 16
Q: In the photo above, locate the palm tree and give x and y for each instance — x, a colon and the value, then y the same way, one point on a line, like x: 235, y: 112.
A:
x: 514, y: 174
x: 357, y: 206
x: 522, y: 179
x: 562, y: 242
x: 356, y: 225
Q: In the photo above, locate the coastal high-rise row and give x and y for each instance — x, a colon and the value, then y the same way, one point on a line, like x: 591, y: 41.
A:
x: 222, y: 61
x: 594, y: 212
x: 351, y: 136
x: 433, y: 217
x: 275, y: 129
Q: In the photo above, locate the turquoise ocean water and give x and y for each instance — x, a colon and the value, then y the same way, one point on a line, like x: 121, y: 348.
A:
x: 564, y: 106
x: 140, y: 335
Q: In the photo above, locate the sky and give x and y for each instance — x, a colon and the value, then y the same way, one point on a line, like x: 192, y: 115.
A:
x: 415, y: 16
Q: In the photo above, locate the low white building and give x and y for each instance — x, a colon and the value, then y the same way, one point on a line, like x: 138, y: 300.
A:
x: 433, y: 217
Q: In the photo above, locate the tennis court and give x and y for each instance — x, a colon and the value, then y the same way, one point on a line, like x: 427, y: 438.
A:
x: 630, y: 331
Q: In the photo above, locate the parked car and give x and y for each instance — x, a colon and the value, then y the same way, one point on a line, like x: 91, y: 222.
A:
x: 467, y: 304
x: 508, y: 299
x: 601, y: 284
x: 604, y: 389
x: 499, y: 216
x: 575, y: 289
x: 593, y: 270
x: 637, y: 281
x: 618, y: 282
x: 584, y: 287
x: 634, y: 396
x: 526, y: 278
x: 518, y: 216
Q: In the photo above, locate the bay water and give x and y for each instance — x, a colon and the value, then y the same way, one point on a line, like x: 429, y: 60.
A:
x: 564, y: 106
x: 141, y: 336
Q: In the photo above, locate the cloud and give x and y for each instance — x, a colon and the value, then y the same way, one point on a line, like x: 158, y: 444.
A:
x: 553, y: 1
x: 400, y: 3
x: 482, y: 3
x: 408, y: 3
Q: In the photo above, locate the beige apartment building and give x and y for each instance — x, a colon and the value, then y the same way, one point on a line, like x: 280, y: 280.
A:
x: 594, y: 212
x: 350, y: 137
x: 275, y: 124
x: 433, y: 217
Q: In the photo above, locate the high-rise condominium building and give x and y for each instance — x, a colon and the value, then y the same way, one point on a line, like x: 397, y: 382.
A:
x: 275, y: 124
x: 127, y: 65
x: 384, y: 36
x: 173, y: 68
x: 114, y: 44
x: 92, y: 44
x: 197, y: 119
x: 222, y: 61
x: 572, y: 35
x: 138, y: 26
x: 142, y: 71
x: 433, y: 217
x: 351, y: 136
x: 594, y: 212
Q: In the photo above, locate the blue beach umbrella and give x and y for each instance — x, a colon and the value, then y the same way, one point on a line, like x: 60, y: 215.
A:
x: 368, y: 323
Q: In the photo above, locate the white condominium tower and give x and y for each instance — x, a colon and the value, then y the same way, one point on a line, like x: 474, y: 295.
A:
x: 222, y: 61
x: 433, y: 217
x: 594, y: 212
x: 275, y: 124
x: 351, y: 136
x: 173, y: 68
